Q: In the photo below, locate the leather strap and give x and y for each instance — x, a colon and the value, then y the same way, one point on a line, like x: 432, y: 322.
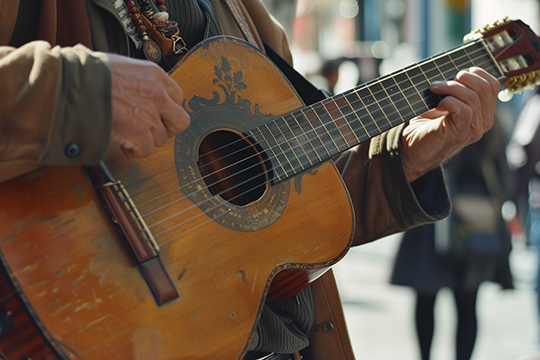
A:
x: 241, y: 21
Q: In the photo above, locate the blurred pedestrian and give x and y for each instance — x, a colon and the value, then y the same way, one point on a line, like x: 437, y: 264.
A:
x: 466, y: 249
x: 523, y: 154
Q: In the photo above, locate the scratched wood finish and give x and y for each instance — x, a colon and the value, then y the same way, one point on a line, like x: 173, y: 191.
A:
x: 62, y: 251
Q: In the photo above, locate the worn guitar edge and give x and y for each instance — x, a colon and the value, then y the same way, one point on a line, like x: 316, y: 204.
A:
x: 50, y: 346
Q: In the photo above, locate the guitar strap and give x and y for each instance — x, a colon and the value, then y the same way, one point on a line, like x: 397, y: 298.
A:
x: 241, y: 21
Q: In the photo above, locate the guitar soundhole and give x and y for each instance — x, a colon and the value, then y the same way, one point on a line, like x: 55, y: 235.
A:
x: 232, y: 168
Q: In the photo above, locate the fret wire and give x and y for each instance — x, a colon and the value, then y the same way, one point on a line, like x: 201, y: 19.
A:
x: 456, y: 68
x: 403, y: 94
x: 328, y: 153
x: 310, y: 140
x: 367, y: 118
x: 269, y: 148
x: 294, y: 136
x: 382, y: 111
x: 453, y: 63
x: 393, y: 103
x: 354, y: 115
x: 464, y: 60
x: 285, y: 145
x: 302, y: 139
x: 426, y: 80
x: 429, y: 79
x: 434, y: 62
x: 439, y: 70
x: 342, y: 120
x: 369, y: 112
x: 430, y: 98
x: 381, y: 118
x: 470, y: 60
x: 416, y: 89
x: 446, y: 68
x: 276, y: 157
x: 330, y: 127
x: 365, y: 108
x: 325, y: 125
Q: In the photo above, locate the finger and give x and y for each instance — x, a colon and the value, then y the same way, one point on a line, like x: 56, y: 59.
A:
x: 474, y: 88
x: 159, y: 135
x: 486, y: 87
x: 459, y: 116
x: 459, y: 100
x: 174, y: 116
x: 145, y: 146
x: 169, y: 98
x: 475, y: 79
x: 464, y: 88
x: 493, y: 82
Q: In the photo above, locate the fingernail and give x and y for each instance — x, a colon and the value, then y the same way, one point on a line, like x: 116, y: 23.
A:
x: 437, y: 83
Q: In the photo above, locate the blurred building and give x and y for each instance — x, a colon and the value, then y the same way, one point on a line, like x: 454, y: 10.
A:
x: 398, y: 31
x: 370, y: 38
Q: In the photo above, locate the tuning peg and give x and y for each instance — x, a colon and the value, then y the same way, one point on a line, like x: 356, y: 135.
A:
x: 505, y: 95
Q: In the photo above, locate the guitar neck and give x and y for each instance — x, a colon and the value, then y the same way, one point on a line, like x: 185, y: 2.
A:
x: 316, y: 133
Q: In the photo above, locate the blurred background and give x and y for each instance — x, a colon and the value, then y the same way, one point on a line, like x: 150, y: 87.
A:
x: 340, y: 43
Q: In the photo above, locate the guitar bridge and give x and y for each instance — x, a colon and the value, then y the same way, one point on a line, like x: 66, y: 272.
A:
x: 125, y: 199
x: 140, y: 240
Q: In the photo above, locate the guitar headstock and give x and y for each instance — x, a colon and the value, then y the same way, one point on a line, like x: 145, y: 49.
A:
x: 516, y: 49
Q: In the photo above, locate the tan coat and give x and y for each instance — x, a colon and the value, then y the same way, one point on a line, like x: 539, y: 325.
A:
x: 37, y: 120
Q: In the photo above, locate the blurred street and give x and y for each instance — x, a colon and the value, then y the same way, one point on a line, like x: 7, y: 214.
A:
x: 380, y: 316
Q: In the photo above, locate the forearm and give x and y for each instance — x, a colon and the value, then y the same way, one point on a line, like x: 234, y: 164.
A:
x: 55, y: 101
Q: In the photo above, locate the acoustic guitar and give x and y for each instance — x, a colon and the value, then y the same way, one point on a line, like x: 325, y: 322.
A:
x: 173, y: 256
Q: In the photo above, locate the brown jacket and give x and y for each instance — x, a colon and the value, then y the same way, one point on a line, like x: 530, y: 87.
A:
x: 37, y: 121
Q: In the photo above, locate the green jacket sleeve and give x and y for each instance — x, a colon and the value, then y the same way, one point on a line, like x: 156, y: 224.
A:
x: 55, y: 108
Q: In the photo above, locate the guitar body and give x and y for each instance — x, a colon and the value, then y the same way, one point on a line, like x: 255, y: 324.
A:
x: 72, y: 273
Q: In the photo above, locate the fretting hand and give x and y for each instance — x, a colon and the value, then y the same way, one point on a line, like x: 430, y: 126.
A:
x: 461, y: 118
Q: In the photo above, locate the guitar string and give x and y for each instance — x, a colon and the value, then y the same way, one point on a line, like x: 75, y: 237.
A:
x: 182, y: 223
x: 413, y: 85
x: 200, y: 214
x: 292, y: 149
x: 337, y: 110
x: 237, y: 185
x: 329, y: 113
x: 250, y: 179
x: 240, y: 184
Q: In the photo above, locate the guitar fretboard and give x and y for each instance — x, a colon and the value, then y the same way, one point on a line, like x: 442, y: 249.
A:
x: 316, y: 133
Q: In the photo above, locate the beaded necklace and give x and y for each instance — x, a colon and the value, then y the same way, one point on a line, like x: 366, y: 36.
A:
x: 158, y: 33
